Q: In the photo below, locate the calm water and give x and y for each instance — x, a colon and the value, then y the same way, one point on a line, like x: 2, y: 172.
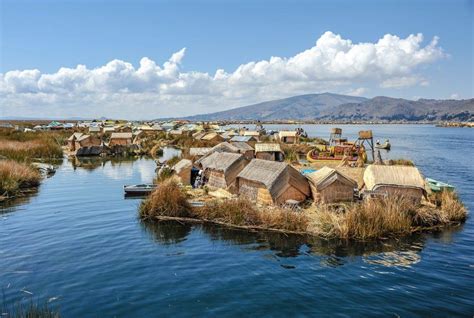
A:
x: 79, y: 243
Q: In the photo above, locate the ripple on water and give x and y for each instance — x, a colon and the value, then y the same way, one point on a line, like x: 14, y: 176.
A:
x: 78, y: 240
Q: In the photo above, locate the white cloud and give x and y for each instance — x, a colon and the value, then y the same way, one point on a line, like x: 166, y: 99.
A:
x: 454, y: 96
x: 356, y: 91
x: 332, y: 64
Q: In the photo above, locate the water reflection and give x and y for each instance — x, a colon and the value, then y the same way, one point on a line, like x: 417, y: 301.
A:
x: 283, y: 245
x: 332, y: 253
x: 11, y: 205
x: 168, y: 232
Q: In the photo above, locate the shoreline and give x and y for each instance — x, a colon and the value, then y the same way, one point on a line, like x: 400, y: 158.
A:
x: 418, y: 229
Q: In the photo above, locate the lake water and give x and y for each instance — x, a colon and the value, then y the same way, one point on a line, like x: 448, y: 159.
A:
x: 79, y: 243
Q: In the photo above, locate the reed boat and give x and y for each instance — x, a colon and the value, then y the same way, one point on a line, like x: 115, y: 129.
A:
x: 438, y: 186
x: 336, y: 153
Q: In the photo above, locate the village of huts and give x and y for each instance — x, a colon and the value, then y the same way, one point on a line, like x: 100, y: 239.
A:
x: 285, y: 169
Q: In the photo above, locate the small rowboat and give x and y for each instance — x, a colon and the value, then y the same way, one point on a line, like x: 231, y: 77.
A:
x: 438, y: 186
x: 139, y: 189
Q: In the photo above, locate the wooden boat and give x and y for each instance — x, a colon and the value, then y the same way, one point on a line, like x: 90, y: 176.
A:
x: 139, y: 189
x: 386, y: 145
x: 438, y: 186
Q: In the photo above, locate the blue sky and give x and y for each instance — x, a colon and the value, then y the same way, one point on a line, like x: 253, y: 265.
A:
x: 49, y: 35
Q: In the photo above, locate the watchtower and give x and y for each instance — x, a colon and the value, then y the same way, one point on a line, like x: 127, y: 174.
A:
x: 336, y: 137
x: 366, y: 137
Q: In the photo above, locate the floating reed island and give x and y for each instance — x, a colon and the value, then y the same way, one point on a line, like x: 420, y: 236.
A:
x: 335, y: 193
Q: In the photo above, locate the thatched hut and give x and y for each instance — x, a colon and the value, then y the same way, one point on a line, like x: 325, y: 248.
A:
x: 199, y: 152
x: 212, y: 137
x: 225, y: 147
x: 329, y: 186
x: 221, y: 169
x: 183, y: 170
x: 244, y: 149
x: 199, y: 134
x: 71, y: 141
x: 121, y: 139
x: 270, y: 152
x: 288, y: 137
x: 270, y: 182
x: 403, y: 181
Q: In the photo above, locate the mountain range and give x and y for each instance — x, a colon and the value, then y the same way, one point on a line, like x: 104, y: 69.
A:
x: 335, y: 107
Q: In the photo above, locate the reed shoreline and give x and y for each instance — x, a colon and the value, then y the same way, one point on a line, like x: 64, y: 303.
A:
x: 362, y: 221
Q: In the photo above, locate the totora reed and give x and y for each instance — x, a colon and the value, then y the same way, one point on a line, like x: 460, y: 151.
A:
x: 369, y: 219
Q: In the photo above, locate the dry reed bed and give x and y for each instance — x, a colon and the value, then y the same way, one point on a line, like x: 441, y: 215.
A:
x: 16, y: 176
x: 21, y: 146
x: 169, y: 201
x: 369, y: 219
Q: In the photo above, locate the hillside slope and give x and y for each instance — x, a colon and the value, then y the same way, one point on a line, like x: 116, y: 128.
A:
x: 329, y: 106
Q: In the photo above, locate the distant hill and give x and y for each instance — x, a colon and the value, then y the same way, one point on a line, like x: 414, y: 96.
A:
x: 329, y: 106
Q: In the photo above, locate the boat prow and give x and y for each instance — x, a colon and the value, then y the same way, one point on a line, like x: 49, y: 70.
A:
x: 438, y: 186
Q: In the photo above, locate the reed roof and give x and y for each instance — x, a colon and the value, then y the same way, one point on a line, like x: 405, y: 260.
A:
x: 201, y: 151
x: 225, y: 147
x: 220, y: 161
x: 182, y: 164
x: 272, y: 147
x: 326, y: 176
x: 275, y: 176
x: 242, y: 146
x: 121, y: 135
x: 75, y: 135
x: 398, y: 176
x: 210, y: 136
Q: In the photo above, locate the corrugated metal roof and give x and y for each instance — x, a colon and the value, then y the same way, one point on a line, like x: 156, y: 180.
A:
x: 242, y: 138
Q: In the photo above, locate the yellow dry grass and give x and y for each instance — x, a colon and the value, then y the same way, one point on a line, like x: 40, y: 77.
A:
x: 15, y: 176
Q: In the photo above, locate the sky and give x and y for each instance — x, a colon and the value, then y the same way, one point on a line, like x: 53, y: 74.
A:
x: 141, y: 59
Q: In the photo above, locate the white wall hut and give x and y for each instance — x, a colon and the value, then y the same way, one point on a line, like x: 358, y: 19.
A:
x: 183, y: 170
x: 288, y: 137
x: 221, y: 169
x: 403, y: 181
x: 329, y: 186
x: 270, y: 182
x: 269, y: 151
